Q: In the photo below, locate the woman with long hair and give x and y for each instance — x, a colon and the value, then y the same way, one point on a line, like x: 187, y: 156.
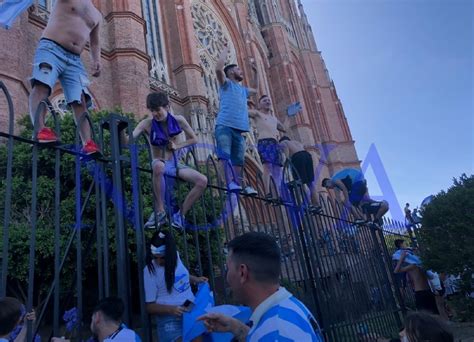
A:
x: 167, y: 286
x: 422, y: 327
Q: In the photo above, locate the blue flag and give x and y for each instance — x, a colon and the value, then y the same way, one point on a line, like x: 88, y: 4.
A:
x: 294, y: 109
x: 10, y: 9
x: 204, y: 303
x: 204, y: 300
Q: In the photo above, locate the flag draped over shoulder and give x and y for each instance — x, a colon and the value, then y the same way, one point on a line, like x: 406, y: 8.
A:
x: 410, y: 259
x: 11, y: 9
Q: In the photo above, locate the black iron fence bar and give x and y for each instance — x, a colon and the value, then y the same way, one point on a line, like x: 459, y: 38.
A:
x: 52, y: 288
x: 139, y: 235
x: 98, y: 230
x: 57, y: 232
x: 43, y: 106
x: 122, y: 248
x: 288, y: 222
x: 103, y: 215
x: 221, y: 260
x: 8, y: 192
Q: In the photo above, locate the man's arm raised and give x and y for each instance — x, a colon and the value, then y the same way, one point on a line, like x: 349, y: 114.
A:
x: 220, y: 65
x: 253, y: 113
x: 254, y: 91
x: 399, y: 268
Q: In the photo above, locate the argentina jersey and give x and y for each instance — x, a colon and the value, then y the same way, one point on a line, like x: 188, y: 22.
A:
x: 123, y: 334
x: 288, y: 320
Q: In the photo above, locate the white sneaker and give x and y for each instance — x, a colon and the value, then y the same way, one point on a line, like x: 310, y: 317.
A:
x: 234, y: 187
x: 249, y: 191
x: 160, y: 219
x: 178, y: 221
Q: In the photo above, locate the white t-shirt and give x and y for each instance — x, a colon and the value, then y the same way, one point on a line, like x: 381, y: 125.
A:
x: 155, y: 285
x: 123, y: 335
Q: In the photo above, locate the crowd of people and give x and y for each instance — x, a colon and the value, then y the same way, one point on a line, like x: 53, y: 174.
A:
x: 253, y: 274
x: 253, y: 269
x: 57, y: 57
x: 254, y: 259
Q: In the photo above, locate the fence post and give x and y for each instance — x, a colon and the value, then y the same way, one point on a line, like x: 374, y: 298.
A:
x: 387, y: 257
x: 8, y: 194
x: 112, y: 122
x: 386, y: 267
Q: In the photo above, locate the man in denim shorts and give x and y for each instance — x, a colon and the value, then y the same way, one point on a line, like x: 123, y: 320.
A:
x: 232, y: 121
x: 71, y: 25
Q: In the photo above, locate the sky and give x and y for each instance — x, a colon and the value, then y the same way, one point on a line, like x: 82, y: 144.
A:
x: 403, y: 70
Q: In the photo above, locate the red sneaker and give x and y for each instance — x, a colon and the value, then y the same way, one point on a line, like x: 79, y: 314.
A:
x: 90, y: 147
x: 46, y: 135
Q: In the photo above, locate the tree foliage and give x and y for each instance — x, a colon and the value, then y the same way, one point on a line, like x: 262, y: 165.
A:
x: 447, y: 233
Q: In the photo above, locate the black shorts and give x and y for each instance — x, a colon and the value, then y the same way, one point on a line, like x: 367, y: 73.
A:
x: 425, y: 301
x: 357, y: 192
x: 269, y: 151
x: 371, y: 207
x: 303, y: 168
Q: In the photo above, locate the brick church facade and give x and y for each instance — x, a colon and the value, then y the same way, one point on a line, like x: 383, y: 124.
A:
x: 172, y: 46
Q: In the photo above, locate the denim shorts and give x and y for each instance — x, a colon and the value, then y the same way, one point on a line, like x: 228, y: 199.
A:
x: 171, y: 168
x: 169, y: 328
x: 53, y: 62
x: 230, y: 144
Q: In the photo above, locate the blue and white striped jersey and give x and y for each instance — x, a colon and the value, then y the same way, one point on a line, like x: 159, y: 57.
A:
x: 282, y: 317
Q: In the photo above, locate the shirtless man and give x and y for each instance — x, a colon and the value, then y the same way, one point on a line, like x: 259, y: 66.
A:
x: 71, y: 25
x: 269, y: 150
x: 162, y: 131
x: 424, y: 298
x: 302, y: 169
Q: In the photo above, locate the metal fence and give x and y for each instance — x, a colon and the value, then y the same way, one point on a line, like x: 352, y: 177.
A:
x: 73, y: 233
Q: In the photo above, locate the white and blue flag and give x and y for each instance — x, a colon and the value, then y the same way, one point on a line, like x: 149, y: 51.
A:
x: 11, y: 9
x: 410, y: 259
x: 204, y: 303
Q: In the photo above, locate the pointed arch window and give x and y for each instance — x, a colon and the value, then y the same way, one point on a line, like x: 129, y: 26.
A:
x: 154, y: 40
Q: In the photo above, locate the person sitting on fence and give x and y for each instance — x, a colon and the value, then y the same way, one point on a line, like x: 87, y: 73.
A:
x: 162, y: 131
x: 302, y: 168
x: 232, y: 121
x: 424, y: 298
x: 106, y: 323
x: 354, y: 187
x: 70, y: 26
x: 167, y: 286
x: 268, y: 148
x: 11, y: 316
x: 253, y: 272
